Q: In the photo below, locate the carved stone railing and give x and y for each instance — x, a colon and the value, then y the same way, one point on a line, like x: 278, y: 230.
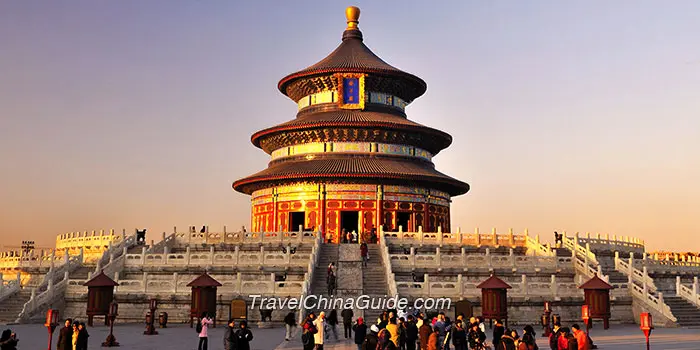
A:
x: 113, y: 252
x: 624, y: 243
x: 39, y: 302
x: 467, y: 287
x: 534, y: 247
x: 478, y: 261
x: 667, y: 265
x: 263, y: 257
x: 9, y: 288
x: 165, y: 244
x: 309, y: 275
x: 386, y: 261
x: 689, y: 294
x: 35, y: 259
x: 208, y: 238
x: 459, y: 238
x: 634, y: 275
x: 642, y: 286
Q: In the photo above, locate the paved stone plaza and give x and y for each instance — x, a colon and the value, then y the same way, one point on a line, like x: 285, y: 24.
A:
x: 627, y: 337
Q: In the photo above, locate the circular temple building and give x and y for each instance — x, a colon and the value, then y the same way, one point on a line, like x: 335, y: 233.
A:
x: 351, y: 160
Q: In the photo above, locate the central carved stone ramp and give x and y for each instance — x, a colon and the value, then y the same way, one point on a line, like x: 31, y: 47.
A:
x: 374, y: 281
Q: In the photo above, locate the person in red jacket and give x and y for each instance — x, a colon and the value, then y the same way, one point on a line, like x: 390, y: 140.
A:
x: 364, y: 251
x: 581, y: 338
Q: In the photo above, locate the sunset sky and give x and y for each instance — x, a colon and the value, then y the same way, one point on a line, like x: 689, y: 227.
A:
x: 566, y: 115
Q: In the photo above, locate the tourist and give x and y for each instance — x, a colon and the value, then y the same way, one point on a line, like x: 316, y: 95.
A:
x: 581, y: 337
x: 411, y: 333
x: 482, y: 326
x: 348, y: 237
x: 385, y: 339
x: 383, y: 320
x: 289, y: 324
x: 74, y: 337
x: 554, y: 336
x: 230, y: 339
x: 558, y: 239
x: 364, y: 253
x: 354, y: 236
x: 440, y: 325
x: 319, y: 336
x: 82, y: 337
x: 371, y: 339
x: 347, y: 315
x: 446, y: 340
x: 393, y: 330
x: 308, y: 331
x: 528, y: 341
x: 498, y: 331
x: 402, y: 334
x: 507, y: 341
x: 566, y: 340
x: 8, y: 340
x: 360, y: 329
x: 243, y: 337
x: 459, y: 336
x: 203, y: 330
x: 333, y: 323
x: 433, y: 339
x: 65, y: 336
x: 424, y: 333
x: 476, y: 337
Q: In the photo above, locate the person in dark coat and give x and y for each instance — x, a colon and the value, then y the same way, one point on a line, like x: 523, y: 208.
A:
x: 498, y: 331
x: 411, y: 333
x: 371, y: 339
x: 347, y: 315
x: 8, y: 340
x: 83, y: 336
x: 230, y: 339
x: 459, y: 336
x: 244, y: 337
x: 507, y: 341
x: 360, y: 329
x: 65, y: 336
x: 476, y: 337
x: 289, y: 324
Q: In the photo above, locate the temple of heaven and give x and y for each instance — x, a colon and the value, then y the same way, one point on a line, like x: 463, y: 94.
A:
x: 351, y: 160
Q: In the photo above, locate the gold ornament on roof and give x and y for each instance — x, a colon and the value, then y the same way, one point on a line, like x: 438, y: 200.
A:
x: 353, y: 15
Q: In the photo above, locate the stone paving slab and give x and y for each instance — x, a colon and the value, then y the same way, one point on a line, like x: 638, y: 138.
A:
x: 130, y: 337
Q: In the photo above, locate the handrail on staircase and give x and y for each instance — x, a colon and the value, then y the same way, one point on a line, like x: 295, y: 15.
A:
x: 386, y: 260
x: 689, y: 294
x: 309, y: 275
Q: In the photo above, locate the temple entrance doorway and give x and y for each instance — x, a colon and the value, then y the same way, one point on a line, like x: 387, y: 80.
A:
x: 349, y: 221
x: 296, y: 219
x: 402, y: 220
x: 464, y: 307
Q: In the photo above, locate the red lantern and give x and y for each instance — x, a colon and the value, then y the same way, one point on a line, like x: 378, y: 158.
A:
x: 51, y: 322
x: 646, y: 325
x: 586, y: 316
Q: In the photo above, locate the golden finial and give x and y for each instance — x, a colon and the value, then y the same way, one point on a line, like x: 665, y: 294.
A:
x: 353, y: 15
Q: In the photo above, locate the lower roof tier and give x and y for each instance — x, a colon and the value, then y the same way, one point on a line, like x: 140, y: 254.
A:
x: 394, y: 170
x: 350, y: 125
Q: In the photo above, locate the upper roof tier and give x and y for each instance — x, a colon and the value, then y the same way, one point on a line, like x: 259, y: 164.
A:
x: 352, y: 56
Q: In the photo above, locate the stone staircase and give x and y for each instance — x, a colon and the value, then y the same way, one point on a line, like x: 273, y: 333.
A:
x: 374, y: 281
x: 12, y: 306
x: 687, y: 315
x: 327, y: 253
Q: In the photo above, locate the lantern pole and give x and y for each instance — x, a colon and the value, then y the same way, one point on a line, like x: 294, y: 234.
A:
x: 646, y: 325
x: 51, y: 323
x: 546, y: 319
x: 150, y: 318
x: 111, y: 340
x: 585, y: 315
